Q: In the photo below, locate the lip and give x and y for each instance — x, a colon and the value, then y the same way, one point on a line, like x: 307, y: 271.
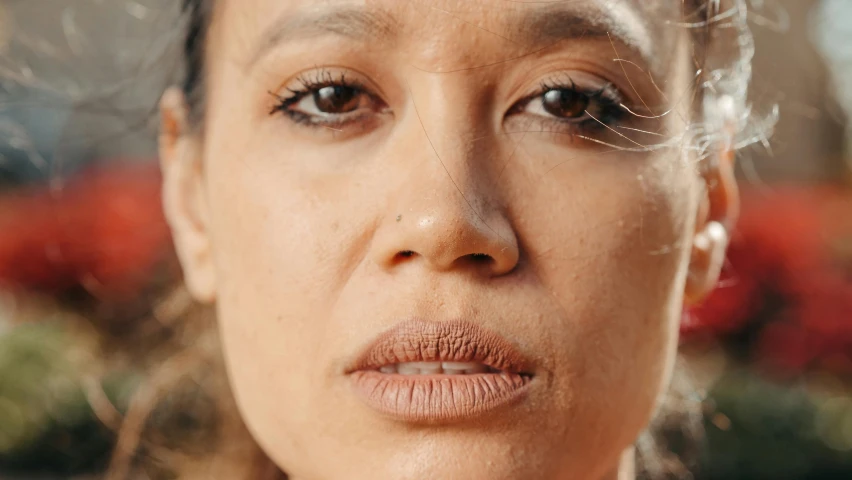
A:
x: 440, y: 398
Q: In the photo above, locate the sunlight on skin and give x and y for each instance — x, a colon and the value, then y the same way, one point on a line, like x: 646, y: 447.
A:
x: 380, y: 184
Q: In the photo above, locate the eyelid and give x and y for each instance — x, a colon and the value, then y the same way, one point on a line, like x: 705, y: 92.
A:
x: 303, y: 88
x: 319, y: 74
x: 602, y: 112
x: 589, y: 73
x: 592, y: 86
x: 581, y: 81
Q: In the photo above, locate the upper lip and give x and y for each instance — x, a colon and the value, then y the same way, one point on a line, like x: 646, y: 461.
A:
x: 454, y: 341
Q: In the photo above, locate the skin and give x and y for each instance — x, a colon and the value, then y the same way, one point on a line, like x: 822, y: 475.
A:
x: 313, y: 241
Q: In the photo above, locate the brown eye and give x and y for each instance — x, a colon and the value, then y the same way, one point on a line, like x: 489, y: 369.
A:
x: 337, y: 99
x: 565, y: 103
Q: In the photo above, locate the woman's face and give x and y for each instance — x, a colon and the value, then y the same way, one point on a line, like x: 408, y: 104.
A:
x: 436, y: 240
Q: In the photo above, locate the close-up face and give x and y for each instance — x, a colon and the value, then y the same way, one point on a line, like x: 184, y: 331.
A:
x: 446, y: 239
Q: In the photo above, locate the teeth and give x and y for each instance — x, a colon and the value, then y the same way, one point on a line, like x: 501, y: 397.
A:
x: 436, y: 368
x: 419, y: 368
x: 461, y: 368
x: 407, y: 369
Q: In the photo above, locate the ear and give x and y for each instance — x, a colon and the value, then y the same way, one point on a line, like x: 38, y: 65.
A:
x: 717, y: 214
x: 184, y: 196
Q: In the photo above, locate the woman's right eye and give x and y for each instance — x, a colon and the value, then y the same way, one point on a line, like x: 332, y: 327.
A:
x: 331, y: 103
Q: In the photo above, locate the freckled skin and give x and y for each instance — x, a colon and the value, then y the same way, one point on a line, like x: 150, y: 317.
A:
x: 314, y: 241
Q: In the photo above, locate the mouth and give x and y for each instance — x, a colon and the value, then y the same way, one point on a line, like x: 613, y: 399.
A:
x: 428, y: 372
x: 438, y: 368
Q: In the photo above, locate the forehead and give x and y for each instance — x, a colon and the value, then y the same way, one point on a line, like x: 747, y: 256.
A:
x: 486, y: 9
x: 252, y: 27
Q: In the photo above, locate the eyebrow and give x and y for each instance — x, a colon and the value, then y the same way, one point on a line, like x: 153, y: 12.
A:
x: 535, y: 27
x: 352, y: 22
x: 544, y: 25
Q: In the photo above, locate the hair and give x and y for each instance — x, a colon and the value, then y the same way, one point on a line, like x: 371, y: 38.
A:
x: 194, y: 375
x: 199, y: 14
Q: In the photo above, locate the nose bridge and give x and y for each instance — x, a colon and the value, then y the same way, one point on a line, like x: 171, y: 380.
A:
x: 445, y: 215
x: 453, y: 118
x: 442, y: 137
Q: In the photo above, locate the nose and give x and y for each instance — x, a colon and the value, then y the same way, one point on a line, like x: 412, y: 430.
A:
x: 446, y: 215
x: 443, y: 232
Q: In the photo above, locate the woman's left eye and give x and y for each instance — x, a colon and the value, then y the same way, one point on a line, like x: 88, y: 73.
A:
x: 564, y: 103
x: 571, y: 105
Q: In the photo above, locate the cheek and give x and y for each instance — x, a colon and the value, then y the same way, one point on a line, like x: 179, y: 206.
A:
x: 610, y: 242
x: 283, y: 245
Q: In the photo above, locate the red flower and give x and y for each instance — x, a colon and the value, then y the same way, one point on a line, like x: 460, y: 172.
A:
x: 786, y: 347
x: 104, y: 230
x: 728, y: 308
x: 782, y: 256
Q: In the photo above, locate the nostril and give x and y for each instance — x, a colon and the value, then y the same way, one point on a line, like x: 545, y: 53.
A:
x: 403, y: 256
x: 480, y: 257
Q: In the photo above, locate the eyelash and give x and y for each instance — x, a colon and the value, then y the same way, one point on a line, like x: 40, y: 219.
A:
x: 605, y: 102
x: 604, y: 106
x: 310, y: 85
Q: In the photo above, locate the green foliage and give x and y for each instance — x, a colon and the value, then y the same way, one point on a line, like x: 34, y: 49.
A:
x: 46, y: 422
x: 759, y: 429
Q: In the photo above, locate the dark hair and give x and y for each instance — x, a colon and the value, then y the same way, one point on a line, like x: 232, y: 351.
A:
x: 199, y: 15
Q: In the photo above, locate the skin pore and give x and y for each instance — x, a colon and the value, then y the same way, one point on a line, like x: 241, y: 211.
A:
x: 367, y: 163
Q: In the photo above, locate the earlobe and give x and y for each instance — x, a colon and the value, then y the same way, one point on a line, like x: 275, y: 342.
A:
x: 716, y: 218
x: 706, y: 262
x: 184, y: 199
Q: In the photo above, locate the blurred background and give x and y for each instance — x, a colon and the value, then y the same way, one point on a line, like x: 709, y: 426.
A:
x: 84, y: 247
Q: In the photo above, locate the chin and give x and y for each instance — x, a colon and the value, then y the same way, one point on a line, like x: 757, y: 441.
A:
x: 513, y: 449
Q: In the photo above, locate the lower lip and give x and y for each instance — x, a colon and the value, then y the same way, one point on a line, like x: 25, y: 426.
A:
x: 439, y: 398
